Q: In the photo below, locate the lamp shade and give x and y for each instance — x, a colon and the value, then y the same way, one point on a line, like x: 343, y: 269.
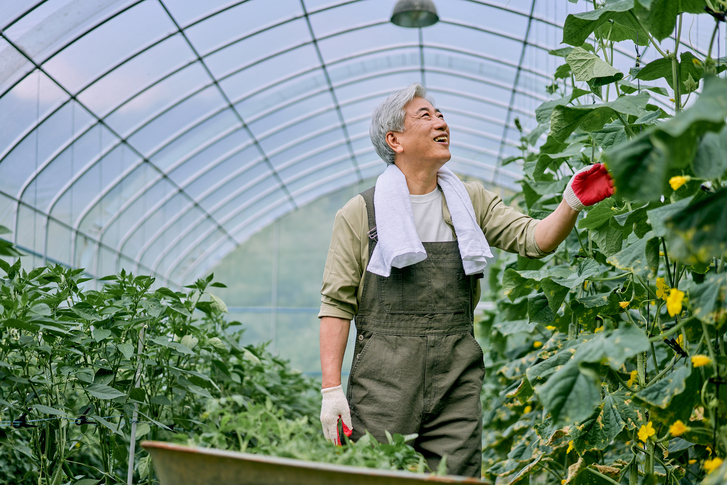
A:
x: 414, y: 13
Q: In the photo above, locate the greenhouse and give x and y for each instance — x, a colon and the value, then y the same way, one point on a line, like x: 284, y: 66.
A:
x: 191, y: 257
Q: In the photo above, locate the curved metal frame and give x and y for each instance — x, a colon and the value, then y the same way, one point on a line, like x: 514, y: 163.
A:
x: 347, y: 139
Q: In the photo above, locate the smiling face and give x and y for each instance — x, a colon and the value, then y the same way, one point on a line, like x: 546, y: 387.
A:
x: 425, y: 138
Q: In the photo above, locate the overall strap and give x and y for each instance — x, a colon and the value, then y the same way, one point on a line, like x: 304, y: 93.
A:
x: 368, y: 196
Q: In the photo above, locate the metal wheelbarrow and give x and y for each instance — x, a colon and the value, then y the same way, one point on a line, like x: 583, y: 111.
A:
x: 184, y: 465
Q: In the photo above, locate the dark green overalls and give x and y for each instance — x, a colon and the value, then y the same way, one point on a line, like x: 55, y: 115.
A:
x: 417, y: 367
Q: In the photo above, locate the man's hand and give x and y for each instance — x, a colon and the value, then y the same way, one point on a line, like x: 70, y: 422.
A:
x: 588, y: 186
x: 333, y: 408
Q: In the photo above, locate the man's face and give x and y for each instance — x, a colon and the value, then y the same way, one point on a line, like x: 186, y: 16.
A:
x: 426, y: 135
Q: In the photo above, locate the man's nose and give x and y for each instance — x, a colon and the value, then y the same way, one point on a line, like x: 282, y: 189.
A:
x: 440, y: 124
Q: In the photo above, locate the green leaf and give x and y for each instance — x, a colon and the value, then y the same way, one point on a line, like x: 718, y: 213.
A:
x: 611, y: 134
x: 180, y: 348
x: 20, y: 324
x: 100, y: 334
x: 126, y: 349
x: 710, y: 162
x: 662, y: 68
x: 641, y: 167
x: 102, y: 391
x: 538, y: 309
x: 41, y: 309
x: 662, y: 392
x: 698, y: 233
x: 602, y: 427
x: 541, y: 372
x: 589, y: 67
x: 634, y: 258
x: 579, y: 26
x: 543, y: 112
x: 657, y: 217
x: 613, y: 349
x: 514, y: 285
x: 217, y: 304
x: 564, y: 120
x: 555, y: 293
x: 708, y: 300
x: 86, y: 311
x: 142, y: 429
x: 516, y: 326
x: 569, y: 395
x: 562, y: 72
x: 546, y: 160
x: 48, y: 410
x: 599, y: 214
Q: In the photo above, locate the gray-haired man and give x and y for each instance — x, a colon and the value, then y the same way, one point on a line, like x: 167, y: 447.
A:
x: 405, y: 261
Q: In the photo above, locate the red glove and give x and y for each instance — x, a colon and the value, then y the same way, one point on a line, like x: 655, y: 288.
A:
x: 348, y: 432
x: 589, y: 185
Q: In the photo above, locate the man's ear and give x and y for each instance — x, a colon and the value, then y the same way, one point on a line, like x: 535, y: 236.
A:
x: 392, y: 139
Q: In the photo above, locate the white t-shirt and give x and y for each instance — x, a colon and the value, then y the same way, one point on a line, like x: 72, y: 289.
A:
x: 428, y: 217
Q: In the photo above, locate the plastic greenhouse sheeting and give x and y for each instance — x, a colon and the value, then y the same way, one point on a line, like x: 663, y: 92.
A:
x: 158, y: 135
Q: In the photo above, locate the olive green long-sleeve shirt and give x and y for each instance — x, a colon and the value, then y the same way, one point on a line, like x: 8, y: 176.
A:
x: 348, y: 255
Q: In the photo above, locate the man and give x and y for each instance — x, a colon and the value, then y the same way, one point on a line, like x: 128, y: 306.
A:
x: 405, y: 260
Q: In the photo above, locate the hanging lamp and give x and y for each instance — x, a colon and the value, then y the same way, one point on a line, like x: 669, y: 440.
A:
x: 414, y: 13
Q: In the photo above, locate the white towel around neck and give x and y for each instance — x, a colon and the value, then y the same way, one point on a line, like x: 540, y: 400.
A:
x: 398, y: 242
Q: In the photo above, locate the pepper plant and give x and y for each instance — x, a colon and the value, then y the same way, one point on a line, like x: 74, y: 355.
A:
x: 607, y: 358
x: 82, y: 371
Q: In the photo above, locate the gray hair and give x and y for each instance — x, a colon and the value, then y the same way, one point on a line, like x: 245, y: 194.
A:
x: 389, y: 116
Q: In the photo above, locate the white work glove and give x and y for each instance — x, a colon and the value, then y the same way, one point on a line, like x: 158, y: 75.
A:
x: 588, y: 186
x: 333, y: 408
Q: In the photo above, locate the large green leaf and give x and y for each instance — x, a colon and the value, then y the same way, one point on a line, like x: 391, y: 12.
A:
x: 570, y: 395
x: 641, y: 168
x: 564, y: 120
x: 548, y: 160
x: 602, y: 427
x: 614, y: 348
x: 637, y: 256
x: 657, y: 217
x: 662, y: 68
x: 538, y: 309
x: 102, y: 391
x: 590, y: 68
x: 579, y: 26
x: 673, y: 397
x: 543, y: 112
x: 600, y: 213
x: 661, y: 393
x: 708, y: 300
x: 710, y: 162
x: 698, y: 233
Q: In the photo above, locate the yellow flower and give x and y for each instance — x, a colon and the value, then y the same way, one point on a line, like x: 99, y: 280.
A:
x: 678, y: 181
x: 678, y: 428
x: 598, y: 329
x: 530, y: 408
x: 646, y: 431
x: 570, y: 447
x: 680, y: 340
x: 696, y: 62
x: 585, y: 285
x: 623, y: 304
x: 551, y: 328
x: 537, y: 344
x: 674, y: 302
x: 661, y: 288
x: 692, y: 462
x: 672, y: 100
x: 632, y: 379
x: 700, y: 360
x: 713, y: 464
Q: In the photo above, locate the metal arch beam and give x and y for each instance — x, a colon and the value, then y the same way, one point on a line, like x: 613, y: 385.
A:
x: 73, y: 232
x: 332, y: 91
x: 40, y: 69
x: 213, y: 248
x: 179, y: 237
x: 202, y: 88
x: 514, y: 87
